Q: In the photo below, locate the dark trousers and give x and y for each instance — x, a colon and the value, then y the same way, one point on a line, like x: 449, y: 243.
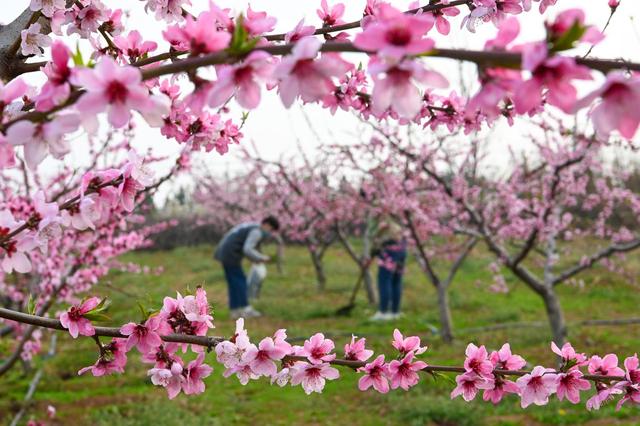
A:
x: 237, y: 286
x: 389, y: 289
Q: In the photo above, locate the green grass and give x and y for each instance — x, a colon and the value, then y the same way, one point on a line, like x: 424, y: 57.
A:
x: 290, y: 300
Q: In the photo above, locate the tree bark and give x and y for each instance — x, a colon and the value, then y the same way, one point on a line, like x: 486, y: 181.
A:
x: 318, y: 266
x: 555, y: 315
x: 366, y: 254
x: 446, y: 326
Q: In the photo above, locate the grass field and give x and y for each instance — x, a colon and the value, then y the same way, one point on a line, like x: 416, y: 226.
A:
x: 290, y: 300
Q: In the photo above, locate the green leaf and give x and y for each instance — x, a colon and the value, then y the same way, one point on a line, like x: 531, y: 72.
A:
x: 96, y: 316
x: 77, y: 56
x: 437, y: 375
x: 569, y: 38
x: 240, y: 41
x: 31, y: 305
x: 144, y: 312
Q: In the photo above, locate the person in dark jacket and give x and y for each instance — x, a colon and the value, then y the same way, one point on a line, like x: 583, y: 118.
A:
x: 243, y: 241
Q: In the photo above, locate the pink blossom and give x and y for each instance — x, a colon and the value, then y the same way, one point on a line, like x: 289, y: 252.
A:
x: 570, y: 384
x: 57, y: 88
x: 199, y: 35
x: 396, y: 34
x: 118, y: 89
x: 569, y: 356
x: 404, y: 373
x: 468, y: 385
x: 143, y: 336
x: 47, y: 7
x: 606, y: 366
x: 133, y: 47
x: 33, y: 41
x: 505, y: 360
x: 257, y: 23
x: 477, y: 360
x: 406, y: 345
x: 195, y: 372
x: 376, y: 375
x: 262, y: 358
x: 282, y: 377
x: 499, y: 388
x: 299, y: 32
x: 395, y: 86
x: 616, y: 110
x: 313, y: 376
x: 242, y: 81
x: 355, y: 351
x: 300, y: 74
x: 331, y: 16
x: 442, y: 24
x: 74, y: 321
x: 39, y: 139
x: 13, y: 249
x: 230, y: 352
x: 243, y: 372
x: 555, y: 73
x: 113, y: 359
x: 536, y: 387
x: 569, y: 18
x: 318, y: 349
x: 169, y: 378
x: 7, y: 154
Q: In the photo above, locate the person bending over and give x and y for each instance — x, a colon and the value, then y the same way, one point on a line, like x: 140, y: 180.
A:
x: 241, y: 241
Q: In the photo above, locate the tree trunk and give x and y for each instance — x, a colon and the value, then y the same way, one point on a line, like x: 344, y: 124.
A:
x: 555, y: 315
x: 316, y: 259
x: 368, y: 285
x: 446, y: 326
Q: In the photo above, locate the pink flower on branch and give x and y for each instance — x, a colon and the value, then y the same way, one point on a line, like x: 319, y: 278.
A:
x: 33, y: 40
x: 262, y: 358
x: 468, y: 385
x: 113, y: 359
x: 395, y: 86
x: 395, y: 34
x: 355, y: 351
x: 408, y: 344
x: 536, y: 386
x: 117, y: 89
x: 404, y: 373
x: 170, y: 378
x: 606, y: 366
x: 554, y: 73
x: 74, y: 318
x: 143, y: 336
x: 617, y: 109
x: 242, y: 81
x: 318, y: 349
x: 376, y: 375
x: 505, y: 360
x: 196, y: 371
x: 301, y: 75
x: 331, y: 16
x: 57, y: 88
x: 313, y: 377
x: 477, y: 360
x: 570, y: 384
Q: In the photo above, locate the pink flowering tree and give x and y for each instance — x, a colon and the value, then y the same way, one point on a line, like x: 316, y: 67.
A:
x: 93, y: 71
x: 400, y: 189
x: 561, y: 193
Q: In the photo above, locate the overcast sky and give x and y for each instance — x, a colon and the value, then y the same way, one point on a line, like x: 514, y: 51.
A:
x: 277, y: 130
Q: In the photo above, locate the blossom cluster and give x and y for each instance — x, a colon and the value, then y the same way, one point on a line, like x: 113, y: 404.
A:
x: 397, y: 83
x: 99, y: 194
x: 312, y: 364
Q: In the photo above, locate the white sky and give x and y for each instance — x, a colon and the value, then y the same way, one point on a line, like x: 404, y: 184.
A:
x: 276, y: 130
